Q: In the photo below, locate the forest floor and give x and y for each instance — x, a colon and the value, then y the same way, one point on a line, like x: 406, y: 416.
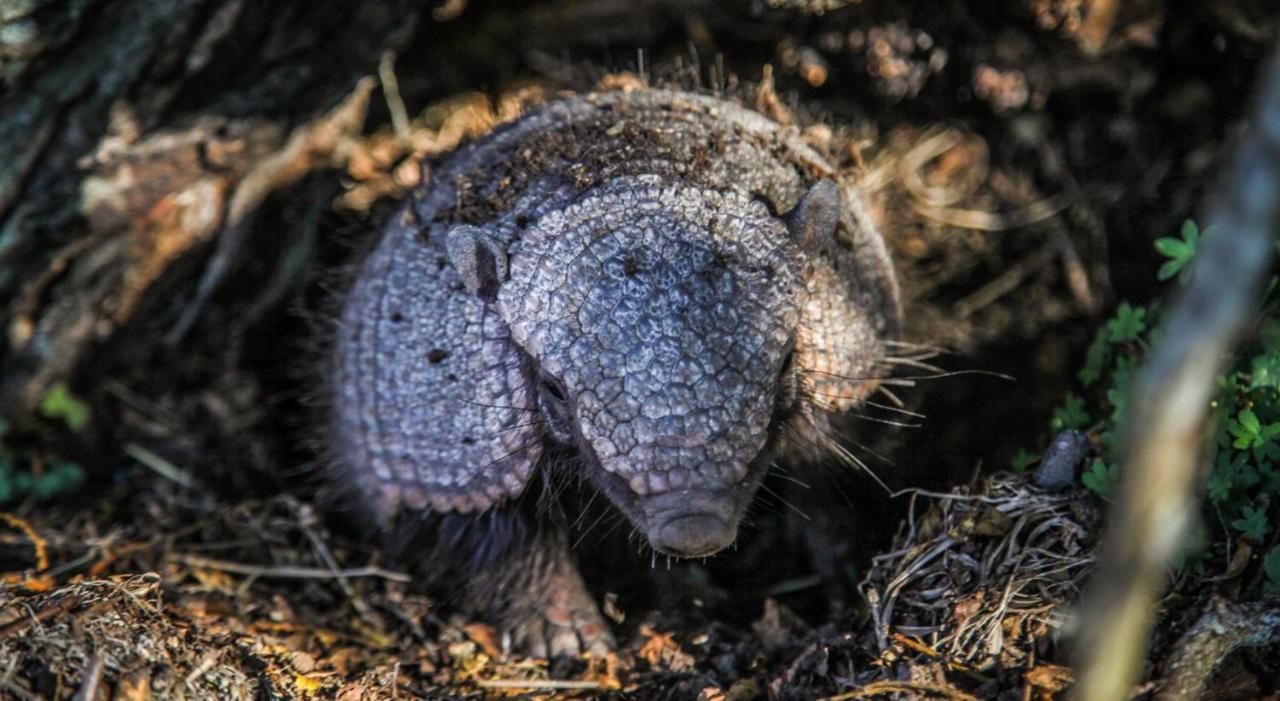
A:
x: 1021, y: 161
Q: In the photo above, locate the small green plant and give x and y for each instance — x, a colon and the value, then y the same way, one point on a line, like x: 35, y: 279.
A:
x: 1023, y: 459
x: 1180, y: 252
x: 1251, y: 434
x: 1128, y: 324
x: 1271, y: 569
x: 1243, y: 485
x: 1101, y: 478
x: 1253, y: 523
x: 56, y: 478
x: 23, y: 475
x: 60, y: 404
x: 1071, y: 416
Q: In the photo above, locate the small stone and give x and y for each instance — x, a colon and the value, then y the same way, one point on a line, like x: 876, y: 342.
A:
x: 1057, y: 470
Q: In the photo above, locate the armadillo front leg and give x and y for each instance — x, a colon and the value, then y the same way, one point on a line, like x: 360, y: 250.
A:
x: 554, y: 614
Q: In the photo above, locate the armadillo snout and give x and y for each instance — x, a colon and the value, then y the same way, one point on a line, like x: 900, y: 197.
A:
x: 692, y: 522
x: 694, y: 535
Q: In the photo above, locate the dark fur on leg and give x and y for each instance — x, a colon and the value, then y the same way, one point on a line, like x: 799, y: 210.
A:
x: 512, y: 565
x: 548, y: 610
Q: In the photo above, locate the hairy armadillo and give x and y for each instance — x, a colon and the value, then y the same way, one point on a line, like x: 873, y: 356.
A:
x: 652, y: 292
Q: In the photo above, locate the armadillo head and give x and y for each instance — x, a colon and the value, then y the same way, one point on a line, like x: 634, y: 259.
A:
x: 662, y: 321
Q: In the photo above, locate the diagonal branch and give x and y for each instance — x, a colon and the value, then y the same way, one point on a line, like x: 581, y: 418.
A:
x: 1165, y: 442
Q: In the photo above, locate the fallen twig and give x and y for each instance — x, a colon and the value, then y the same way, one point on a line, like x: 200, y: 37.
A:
x: 306, y: 521
x: 980, y: 220
x: 916, y: 645
x: 88, y: 690
x: 206, y: 664
x: 931, y: 147
x: 38, y: 544
x: 539, y: 684
x: 898, y: 687
x: 286, y: 571
x: 391, y: 93
x: 159, y: 465
x: 1224, y: 628
x: 61, y: 606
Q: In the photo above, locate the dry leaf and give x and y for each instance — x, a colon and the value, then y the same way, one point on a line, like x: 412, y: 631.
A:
x: 711, y: 693
x: 484, y: 636
x: 308, y: 684
x: 661, y: 650
x: 965, y: 608
x: 1050, y: 677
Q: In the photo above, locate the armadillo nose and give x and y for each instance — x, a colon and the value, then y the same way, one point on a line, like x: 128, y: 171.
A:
x: 693, y: 535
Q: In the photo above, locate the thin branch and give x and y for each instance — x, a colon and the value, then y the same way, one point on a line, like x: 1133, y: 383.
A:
x: 539, y: 684
x: 1224, y: 628
x: 1166, y: 422
x: 904, y: 687
x: 287, y: 572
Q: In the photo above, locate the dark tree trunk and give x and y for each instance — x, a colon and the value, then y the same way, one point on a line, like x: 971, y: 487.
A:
x: 134, y: 131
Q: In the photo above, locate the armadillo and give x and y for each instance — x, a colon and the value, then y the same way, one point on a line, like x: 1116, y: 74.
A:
x: 657, y: 293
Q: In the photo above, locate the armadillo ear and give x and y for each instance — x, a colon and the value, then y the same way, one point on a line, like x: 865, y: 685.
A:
x: 479, y: 259
x: 813, y: 221
x: 852, y: 310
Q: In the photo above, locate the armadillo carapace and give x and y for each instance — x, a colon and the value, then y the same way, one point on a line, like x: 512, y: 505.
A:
x: 651, y: 292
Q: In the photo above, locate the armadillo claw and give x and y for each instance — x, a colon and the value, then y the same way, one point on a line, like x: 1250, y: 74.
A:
x: 566, y: 621
x: 541, y: 637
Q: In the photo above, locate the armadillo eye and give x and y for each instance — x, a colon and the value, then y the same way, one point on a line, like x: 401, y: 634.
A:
x: 554, y: 403
x: 552, y: 388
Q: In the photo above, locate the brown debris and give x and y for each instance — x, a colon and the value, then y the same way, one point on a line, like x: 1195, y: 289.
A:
x: 767, y: 100
x: 983, y: 594
x: 1049, y: 679
x: 661, y: 651
x: 918, y: 689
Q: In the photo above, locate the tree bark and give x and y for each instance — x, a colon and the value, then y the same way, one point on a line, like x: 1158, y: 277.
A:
x: 134, y: 131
